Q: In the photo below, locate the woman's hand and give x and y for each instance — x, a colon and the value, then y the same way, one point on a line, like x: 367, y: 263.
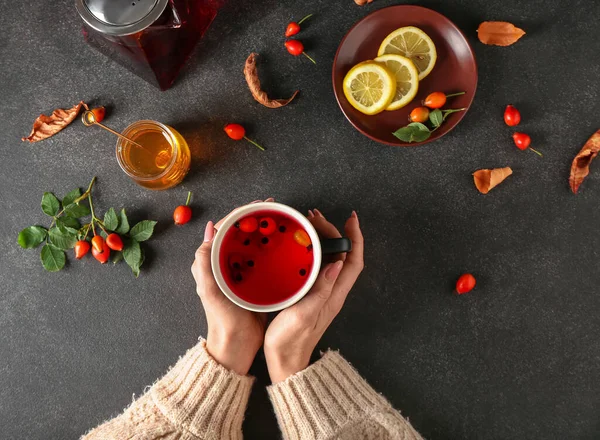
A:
x: 295, y: 332
x: 234, y: 334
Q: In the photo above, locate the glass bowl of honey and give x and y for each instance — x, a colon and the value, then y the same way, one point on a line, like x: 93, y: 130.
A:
x: 160, y: 161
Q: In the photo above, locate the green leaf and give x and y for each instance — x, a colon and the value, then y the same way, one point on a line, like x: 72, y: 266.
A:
x: 50, y: 204
x: 71, y: 197
x: 31, y: 237
x: 68, y: 222
x: 143, y: 230
x: 436, y: 117
x: 53, y: 259
x: 111, y: 221
x: 412, y: 133
x: 123, y: 223
x: 62, y: 238
x: 103, y: 234
x: 419, y: 126
x: 77, y: 210
x: 66, y: 230
x: 132, y: 253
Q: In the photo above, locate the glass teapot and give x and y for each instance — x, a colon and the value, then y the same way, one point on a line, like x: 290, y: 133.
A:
x: 152, y: 38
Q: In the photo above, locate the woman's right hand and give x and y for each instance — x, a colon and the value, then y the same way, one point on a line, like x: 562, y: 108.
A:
x: 294, y: 333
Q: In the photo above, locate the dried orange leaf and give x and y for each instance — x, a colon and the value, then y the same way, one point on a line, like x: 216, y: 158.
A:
x: 581, y: 164
x: 499, y: 33
x: 46, y: 126
x: 485, y: 180
x: 251, y: 74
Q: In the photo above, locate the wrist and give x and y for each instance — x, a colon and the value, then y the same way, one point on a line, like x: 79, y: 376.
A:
x: 282, y: 366
x: 231, y: 352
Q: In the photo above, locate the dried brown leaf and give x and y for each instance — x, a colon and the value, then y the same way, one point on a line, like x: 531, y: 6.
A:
x: 499, y: 33
x: 581, y: 164
x: 251, y: 74
x: 485, y: 180
x: 46, y: 126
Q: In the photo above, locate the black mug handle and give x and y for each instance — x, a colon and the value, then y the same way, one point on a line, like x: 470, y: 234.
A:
x: 336, y: 245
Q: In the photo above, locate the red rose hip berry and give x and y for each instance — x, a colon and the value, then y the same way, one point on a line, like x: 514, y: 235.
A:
x: 103, y: 256
x: 512, y: 117
x: 114, y: 242
x: 98, y: 243
x: 465, y: 283
x: 82, y: 247
x: 183, y: 213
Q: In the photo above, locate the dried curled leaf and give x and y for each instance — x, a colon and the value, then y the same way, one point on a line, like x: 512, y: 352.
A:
x: 251, y: 74
x: 499, y: 33
x: 46, y: 126
x: 485, y: 180
x: 581, y: 164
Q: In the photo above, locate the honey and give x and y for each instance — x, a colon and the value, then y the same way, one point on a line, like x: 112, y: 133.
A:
x: 161, y: 163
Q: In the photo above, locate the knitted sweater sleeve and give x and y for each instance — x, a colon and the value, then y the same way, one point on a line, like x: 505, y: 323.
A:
x: 198, y: 399
x: 330, y: 400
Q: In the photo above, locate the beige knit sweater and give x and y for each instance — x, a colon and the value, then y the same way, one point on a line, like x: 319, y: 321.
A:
x: 198, y: 399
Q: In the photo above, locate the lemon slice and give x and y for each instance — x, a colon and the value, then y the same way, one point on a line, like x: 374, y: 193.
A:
x: 411, y: 42
x: 370, y: 87
x: 407, y: 78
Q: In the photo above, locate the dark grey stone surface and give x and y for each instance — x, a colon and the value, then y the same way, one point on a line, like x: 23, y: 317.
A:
x: 519, y: 358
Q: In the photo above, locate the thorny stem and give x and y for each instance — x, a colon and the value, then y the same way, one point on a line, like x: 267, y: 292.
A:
x: 87, y: 192
x: 305, y: 18
x: 254, y: 143
x: 308, y: 56
x: 450, y: 111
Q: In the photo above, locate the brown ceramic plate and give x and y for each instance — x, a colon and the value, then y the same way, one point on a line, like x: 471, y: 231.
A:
x: 454, y: 71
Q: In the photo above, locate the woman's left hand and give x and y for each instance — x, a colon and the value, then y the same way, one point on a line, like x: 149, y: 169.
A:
x: 234, y: 334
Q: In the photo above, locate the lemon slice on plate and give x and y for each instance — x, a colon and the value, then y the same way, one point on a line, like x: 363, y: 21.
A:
x: 407, y: 78
x: 414, y: 44
x: 370, y: 87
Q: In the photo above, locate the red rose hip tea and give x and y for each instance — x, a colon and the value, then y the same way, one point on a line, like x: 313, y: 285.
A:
x: 266, y: 257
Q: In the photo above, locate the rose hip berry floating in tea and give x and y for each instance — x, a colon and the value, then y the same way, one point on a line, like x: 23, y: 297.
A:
x: 82, y: 247
x: 512, y: 117
x: 523, y: 142
x: 183, y: 213
x: 301, y: 237
x: 296, y: 48
x: 438, y: 99
x: 465, y: 283
x: 237, y: 133
x: 248, y: 224
x: 293, y: 28
x: 114, y: 242
x: 266, y: 226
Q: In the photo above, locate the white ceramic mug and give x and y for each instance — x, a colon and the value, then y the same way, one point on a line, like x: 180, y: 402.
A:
x: 319, y: 247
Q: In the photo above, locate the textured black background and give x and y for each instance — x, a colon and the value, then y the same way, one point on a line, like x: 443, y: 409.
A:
x: 519, y: 358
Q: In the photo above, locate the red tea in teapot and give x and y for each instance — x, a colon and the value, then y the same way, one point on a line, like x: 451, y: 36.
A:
x: 266, y: 257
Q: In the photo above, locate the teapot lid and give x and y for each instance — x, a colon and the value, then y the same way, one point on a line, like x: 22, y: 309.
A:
x: 120, y: 17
